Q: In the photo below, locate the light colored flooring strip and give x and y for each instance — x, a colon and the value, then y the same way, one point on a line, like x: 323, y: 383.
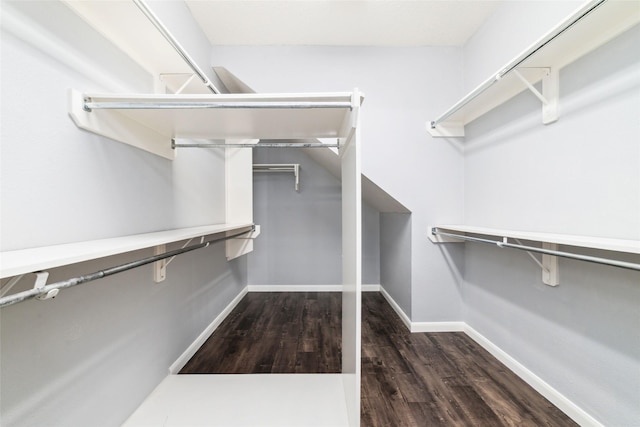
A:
x: 278, y: 400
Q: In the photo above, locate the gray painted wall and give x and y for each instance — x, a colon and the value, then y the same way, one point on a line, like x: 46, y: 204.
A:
x: 370, y: 245
x: 301, y: 239
x: 580, y: 175
x: 511, y: 28
x: 395, y: 257
x: 403, y: 87
x: 90, y: 357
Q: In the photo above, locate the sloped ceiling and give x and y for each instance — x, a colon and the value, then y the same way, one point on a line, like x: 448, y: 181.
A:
x: 340, y: 22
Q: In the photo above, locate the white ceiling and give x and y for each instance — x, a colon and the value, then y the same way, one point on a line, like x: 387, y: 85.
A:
x: 341, y: 22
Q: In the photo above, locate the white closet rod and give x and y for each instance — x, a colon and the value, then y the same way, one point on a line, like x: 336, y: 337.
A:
x: 44, y: 290
x: 274, y: 168
x: 259, y: 145
x: 176, y: 45
x: 584, y: 11
x: 505, y: 244
x: 186, y: 105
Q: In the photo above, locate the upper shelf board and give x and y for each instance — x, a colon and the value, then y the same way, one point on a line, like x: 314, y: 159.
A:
x: 24, y: 261
x: 604, y: 21
x: 151, y: 121
x: 602, y: 243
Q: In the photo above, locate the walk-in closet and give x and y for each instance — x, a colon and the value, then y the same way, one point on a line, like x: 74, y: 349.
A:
x: 319, y: 213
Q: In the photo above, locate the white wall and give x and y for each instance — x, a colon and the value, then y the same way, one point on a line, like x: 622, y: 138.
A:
x: 89, y: 357
x: 403, y: 87
x: 580, y: 175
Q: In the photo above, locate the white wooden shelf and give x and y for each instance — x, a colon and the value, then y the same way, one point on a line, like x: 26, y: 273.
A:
x: 549, y: 245
x: 150, y: 121
x: 13, y: 263
x: 590, y: 26
x: 603, y: 243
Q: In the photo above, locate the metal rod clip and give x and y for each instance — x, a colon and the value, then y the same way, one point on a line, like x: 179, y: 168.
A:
x: 41, y: 282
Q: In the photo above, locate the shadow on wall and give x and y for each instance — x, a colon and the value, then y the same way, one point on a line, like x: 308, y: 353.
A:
x: 595, y: 301
x: 585, y: 84
x: 96, y: 339
x: 395, y: 258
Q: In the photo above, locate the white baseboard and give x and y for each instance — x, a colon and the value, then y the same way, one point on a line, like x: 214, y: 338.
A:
x: 437, y: 326
x: 421, y: 326
x: 307, y: 288
x: 193, y: 348
x: 295, y: 288
x: 554, y: 396
x: 405, y: 319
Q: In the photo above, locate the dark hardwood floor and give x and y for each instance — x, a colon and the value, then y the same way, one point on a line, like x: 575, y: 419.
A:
x: 419, y: 379
x: 439, y: 379
x: 275, y: 332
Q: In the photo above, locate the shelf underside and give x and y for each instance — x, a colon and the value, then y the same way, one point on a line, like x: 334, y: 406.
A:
x: 150, y: 122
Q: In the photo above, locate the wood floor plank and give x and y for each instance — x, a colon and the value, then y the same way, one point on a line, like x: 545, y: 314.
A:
x: 496, y: 384
x: 275, y: 332
x: 408, y: 379
x: 466, y: 389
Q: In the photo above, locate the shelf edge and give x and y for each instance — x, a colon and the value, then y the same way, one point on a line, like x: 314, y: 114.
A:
x: 591, y: 242
x: 23, y: 261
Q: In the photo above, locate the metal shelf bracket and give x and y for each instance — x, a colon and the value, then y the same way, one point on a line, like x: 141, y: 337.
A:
x: 549, y: 264
x: 160, y: 267
x: 550, y: 93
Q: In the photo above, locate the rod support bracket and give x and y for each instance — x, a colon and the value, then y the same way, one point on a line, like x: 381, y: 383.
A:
x: 550, y: 93
x: 159, y: 267
x: 41, y: 282
x: 549, y: 263
x: 550, y: 270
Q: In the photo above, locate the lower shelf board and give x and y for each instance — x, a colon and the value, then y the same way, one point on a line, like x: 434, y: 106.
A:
x: 263, y: 400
